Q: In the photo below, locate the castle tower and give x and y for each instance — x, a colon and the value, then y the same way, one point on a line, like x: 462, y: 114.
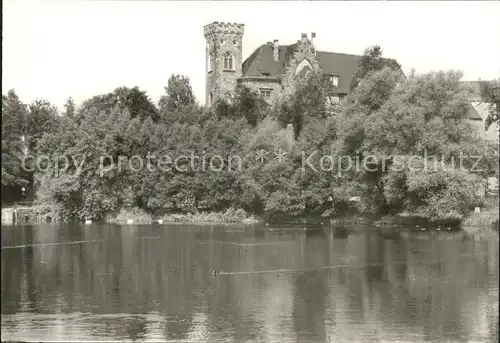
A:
x: 223, y: 59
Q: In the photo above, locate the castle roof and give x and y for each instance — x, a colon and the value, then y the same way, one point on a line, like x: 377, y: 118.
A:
x: 262, y: 64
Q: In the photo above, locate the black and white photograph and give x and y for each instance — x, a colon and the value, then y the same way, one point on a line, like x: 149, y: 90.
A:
x: 250, y: 171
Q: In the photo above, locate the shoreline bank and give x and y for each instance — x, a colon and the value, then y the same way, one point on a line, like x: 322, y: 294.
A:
x: 483, y: 225
x: 480, y: 224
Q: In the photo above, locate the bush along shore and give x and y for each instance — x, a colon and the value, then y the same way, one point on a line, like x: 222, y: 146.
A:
x: 482, y: 224
x: 138, y: 216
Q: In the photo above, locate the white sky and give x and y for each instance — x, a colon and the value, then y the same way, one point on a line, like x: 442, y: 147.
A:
x: 56, y: 49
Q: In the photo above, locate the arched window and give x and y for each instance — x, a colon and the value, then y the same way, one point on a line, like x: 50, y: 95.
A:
x: 228, y: 61
x: 210, y: 62
x: 304, y: 67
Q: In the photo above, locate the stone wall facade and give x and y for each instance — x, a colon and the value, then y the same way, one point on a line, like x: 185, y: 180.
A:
x: 305, y: 51
x: 258, y: 84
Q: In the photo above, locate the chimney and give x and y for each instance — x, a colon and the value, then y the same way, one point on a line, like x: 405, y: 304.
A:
x: 304, y: 36
x: 276, y: 49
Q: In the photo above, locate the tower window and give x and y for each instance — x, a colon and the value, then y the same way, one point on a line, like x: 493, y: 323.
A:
x: 210, y: 99
x: 228, y: 61
x: 210, y: 62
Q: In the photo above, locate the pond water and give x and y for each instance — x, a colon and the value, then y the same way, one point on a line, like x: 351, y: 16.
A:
x: 156, y: 283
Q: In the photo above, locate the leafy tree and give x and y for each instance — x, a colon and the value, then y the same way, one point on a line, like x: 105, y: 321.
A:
x: 365, y: 100
x: 421, y: 116
x: 389, y: 117
x: 42, y: 118
x: 223, y: 109
x: 13, y: 125
x: 424, y: 114
x: 12, y: 173
x: 371, y: 61
x: 13, y: 116
x: 267, y: 182
x: 137, y: 103
x: 374, y: 90
x: 249, y: 105
x: 308, y: 101
x: 318, y: 144
x: 245, y: 104
x: 440, y: 192
x: 22, y: 127
x: 179, y: 94
x: 93, y: 185
x: 178, y: 105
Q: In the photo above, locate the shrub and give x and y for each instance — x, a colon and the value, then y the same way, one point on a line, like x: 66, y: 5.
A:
x: 229, y: 215
x: 440, y: 193
x: 138, y: 215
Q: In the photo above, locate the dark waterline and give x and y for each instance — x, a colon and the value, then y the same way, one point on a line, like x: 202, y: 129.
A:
x: 155, y: 283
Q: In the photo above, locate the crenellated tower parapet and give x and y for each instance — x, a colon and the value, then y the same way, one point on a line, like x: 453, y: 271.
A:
x: 216, y: 29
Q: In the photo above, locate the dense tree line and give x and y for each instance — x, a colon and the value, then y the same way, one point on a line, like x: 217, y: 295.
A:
x: 390, y: 125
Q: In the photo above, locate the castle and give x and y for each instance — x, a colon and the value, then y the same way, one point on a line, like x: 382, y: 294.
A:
x: 271, y: 69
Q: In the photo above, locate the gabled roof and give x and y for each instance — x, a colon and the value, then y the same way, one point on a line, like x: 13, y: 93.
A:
x: 343, y: 65
x: 262, y: 64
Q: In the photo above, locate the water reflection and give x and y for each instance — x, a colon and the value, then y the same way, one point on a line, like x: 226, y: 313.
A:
x: 155, y: 283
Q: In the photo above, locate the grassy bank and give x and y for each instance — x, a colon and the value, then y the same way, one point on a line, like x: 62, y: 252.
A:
x: 484, y: 224
x: 138, y: 216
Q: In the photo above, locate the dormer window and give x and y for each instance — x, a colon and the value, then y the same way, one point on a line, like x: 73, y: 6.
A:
x: 228, y: 61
